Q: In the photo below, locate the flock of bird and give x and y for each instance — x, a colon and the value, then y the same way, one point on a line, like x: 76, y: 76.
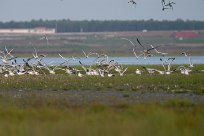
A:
x: 165, y: 5
x: 166, y: 64
x: 168, y: 5
x: 35, y: 65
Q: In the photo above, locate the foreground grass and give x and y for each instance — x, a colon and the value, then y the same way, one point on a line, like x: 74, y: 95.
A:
x: 20, y: 117
x: 175, y: 82
x: 36, y: 115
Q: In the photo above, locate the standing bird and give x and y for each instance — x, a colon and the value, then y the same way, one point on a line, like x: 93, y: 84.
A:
x: 168, y: 5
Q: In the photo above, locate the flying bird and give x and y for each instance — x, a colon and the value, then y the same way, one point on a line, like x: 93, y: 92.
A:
x: 132, y: 1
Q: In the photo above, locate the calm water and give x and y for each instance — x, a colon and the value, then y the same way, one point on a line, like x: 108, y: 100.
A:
x: 125, y: 60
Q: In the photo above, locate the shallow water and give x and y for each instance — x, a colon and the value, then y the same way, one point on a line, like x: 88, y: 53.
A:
x: 124, y: 60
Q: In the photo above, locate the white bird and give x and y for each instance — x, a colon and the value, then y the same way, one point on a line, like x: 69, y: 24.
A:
x: 89, y: 71
x: 149, y: 70
x: 110, y: 75
x: 79, y: 74
x: 168, y: 62
x: 89, y: 54
x: 44, y: 37
x: 120, y: 70
x: 139, y: 72
x: 189, y: 59
x: 133, y: 49
x: 158, y: 52
x: 184, y: 70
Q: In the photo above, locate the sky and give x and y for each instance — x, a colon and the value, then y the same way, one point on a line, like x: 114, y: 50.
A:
x: 26, y: 10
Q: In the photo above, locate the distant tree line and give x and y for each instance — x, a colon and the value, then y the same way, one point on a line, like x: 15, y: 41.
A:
x: 67, y: 25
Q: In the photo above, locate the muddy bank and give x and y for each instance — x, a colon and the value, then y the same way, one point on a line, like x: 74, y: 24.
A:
x: 100, y: 97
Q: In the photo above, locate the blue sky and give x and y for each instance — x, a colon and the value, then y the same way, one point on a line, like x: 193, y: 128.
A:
x: 25, y: 10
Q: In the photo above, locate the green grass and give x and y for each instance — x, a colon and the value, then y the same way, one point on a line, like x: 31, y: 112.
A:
x: 175, y: 82
x: 49, y: 115
x: 37, y: 116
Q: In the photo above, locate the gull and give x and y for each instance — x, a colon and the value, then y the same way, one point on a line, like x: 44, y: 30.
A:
x: 149, y: 70
x: 20, y: 72
x: 101, y: 72
x: 168, y: 69
x: 189, y: 58
x: 146, y: 52
x: 107, y: 67
x: 44, y: 37
x: 184, y: 70
x: 70, y: 70
x: 104, y: 57
x: 20, y: 68
x: 163, y: 8
x: 89, y: 54
x: 110, y: 75
x: 170, y: 4
x: 7, y: 57
x: 67, y: 60
x: 89, y: 71
x: 51, y: 71
x: 26, y: 62
x: 120, y: 70
x: 32, y: 72
x: 6, y: 75
x: 79, y: 74
x: 138, y: 72
x: 161, y: 72
x: 158, y: 52
x: 40, y: 57
x: 132, y: 1
x: 9, y: 72
x: 129, y: 41
x: 102, y: 60
x: 163, y: 2
x: 9, y: 52
x: 133, y: 49
x: 152, y: 70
